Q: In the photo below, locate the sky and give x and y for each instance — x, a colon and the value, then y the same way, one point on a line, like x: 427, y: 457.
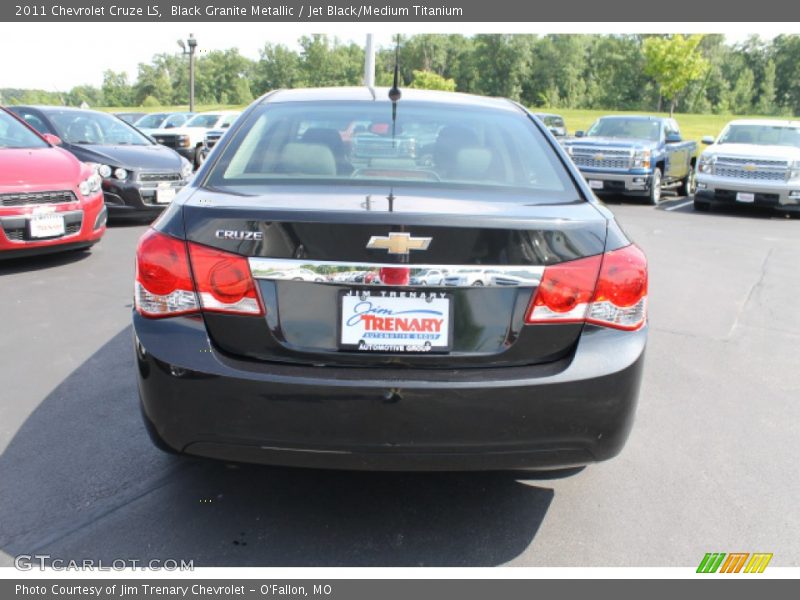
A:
x: 34, y: 56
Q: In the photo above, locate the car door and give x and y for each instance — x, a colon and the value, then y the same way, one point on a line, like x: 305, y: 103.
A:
x: 677, y: 152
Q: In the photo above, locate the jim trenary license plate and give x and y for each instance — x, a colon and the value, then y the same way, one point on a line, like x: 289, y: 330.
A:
x: 389, y: 321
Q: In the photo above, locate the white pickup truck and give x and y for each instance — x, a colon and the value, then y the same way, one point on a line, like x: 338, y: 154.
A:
x: 188, y: 139
x: 753, y: 162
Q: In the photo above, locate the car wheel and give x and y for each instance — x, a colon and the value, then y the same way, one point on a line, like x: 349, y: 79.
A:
x: 655, y: 188
x: 478, y: 283
x: 688, y: 185
x: 701, y: 205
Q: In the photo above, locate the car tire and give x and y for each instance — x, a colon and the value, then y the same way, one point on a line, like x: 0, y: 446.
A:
x: 478, y: 283
x: 688, y: 185
x: 654, y: 197
x: 702, y: 205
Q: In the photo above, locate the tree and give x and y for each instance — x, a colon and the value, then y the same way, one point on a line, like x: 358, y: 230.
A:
x: 766, y: 100
x: 674, y: 62
x: 502, y: 63
x: 277, y: 68
x: 116, y: 89
x: 426, y: 80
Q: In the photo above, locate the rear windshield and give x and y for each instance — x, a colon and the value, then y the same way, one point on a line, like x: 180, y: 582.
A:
x: 14, y: 134
x: 616, y: 127
x: 765, y: 135
x: 431, y: 144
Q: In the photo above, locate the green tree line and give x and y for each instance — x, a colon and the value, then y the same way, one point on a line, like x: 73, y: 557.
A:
x: 695, y: 74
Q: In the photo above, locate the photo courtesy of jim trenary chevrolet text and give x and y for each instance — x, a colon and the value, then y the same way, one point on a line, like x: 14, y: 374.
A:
x: 398, y: 299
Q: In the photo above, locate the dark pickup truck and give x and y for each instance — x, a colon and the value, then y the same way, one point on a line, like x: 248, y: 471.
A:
x: 634, y: 155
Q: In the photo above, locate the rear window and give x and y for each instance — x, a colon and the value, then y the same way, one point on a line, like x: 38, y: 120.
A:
x: 431, y: 144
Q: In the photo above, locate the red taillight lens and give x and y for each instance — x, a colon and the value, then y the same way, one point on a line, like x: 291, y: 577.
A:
x: 395, y: 275
x: 608, y: 290
x: 173, y: 279
x: 620, y: 299
x: 565, y: 291
x: 224, y: 282
x: 164, y: 285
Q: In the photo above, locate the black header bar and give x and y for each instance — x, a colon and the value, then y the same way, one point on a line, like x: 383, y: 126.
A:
x: 485, y: 11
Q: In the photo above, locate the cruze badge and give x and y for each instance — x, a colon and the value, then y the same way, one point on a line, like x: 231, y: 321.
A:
x: 398, y: 243
x: 226, y: 234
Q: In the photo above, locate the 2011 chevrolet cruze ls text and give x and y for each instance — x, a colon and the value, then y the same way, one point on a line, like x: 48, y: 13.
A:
x: 244, y: 356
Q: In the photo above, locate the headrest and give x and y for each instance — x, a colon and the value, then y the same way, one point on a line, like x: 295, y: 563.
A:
x: 471, y: 163
x: 307, y: 159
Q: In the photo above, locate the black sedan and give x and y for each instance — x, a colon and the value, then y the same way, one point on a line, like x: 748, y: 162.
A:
x: 140, y: 177
x: 239, y: 359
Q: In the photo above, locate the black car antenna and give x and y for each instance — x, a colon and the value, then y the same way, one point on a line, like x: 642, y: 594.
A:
x: 395, y: 93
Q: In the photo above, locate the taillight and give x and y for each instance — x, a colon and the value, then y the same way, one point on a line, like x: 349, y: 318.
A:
x: 164, y: 285
x: 173, y: 279
x: 565, y: 291
x: 620, y: 299
x: 608, y: 290
x: 223, y: 281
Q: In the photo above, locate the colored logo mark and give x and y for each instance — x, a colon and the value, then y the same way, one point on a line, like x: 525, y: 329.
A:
x: 734, y: 562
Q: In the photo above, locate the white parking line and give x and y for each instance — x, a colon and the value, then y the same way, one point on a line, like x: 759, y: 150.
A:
x: 681, y: 205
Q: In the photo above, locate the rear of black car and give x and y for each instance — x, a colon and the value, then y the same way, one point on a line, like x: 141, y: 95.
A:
x: 280, y: 315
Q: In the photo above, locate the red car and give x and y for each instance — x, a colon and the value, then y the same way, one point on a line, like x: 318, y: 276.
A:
x: 49, y: 200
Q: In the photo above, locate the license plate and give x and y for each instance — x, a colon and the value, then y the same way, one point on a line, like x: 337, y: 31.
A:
x: 378, y: 323
x: 595, y: 184
x: 745, y: 197
x: 47, y: 225
x: 165, y: 195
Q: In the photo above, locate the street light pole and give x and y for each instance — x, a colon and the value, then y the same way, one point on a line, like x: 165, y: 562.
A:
x: 192, y: 43
x: 192, y: 46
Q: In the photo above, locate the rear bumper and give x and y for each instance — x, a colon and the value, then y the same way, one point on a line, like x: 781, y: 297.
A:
x: 572, y: 412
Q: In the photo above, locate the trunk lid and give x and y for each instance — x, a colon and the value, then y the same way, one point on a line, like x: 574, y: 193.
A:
x: 307, y: 249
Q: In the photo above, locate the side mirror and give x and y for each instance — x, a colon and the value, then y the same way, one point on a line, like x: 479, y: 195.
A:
x: 225, y: 125
x: 169, y: 126
x: 707, y: 140
x: 580, y: 133
x: 673, y: 138
x: 53, y: 140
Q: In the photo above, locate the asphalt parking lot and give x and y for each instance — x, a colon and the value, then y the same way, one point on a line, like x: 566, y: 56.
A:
x: 711, y: 465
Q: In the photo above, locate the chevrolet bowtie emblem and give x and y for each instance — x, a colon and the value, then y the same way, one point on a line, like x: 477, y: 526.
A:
x: 598, y: 156
x: 398, y: 243
x: 749, y: 167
